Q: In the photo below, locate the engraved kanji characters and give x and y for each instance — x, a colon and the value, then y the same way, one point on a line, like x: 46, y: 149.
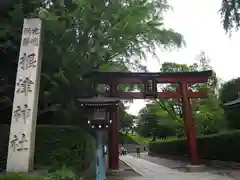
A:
x: 17, y: 113
x: 25, y: 112
x: 27, y: 31
x: 22, y: 112
x: 27, y: 40
x: 31, y: 31
x: 27, y: 61
x: 30, y: 36
x: 14, y: 143
x: 18, y: 143
x: 34, y: 41
x: 24, y: 86
x: 22, y: 143
x: 35, y: 31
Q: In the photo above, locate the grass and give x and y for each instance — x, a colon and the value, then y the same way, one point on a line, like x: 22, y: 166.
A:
x: 137, y: 139
x: 20, y: 176
x: 132, y: 139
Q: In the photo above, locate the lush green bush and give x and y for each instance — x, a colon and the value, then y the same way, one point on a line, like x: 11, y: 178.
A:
x: 222, y: 146
x: 127, y: 139
x: 18, y: 176
x: 132, y: 139
x: 62, y: 174
x: 56, y: 146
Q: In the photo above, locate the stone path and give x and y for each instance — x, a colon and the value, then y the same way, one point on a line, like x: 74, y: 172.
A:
x: 215, y: 167
x: 152, y: 171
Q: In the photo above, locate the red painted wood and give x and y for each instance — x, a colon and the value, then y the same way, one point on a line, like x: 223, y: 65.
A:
x: 196, y: 95
x: 194, y: 79
x: 110, y: 142
x: 140, y: 95
x: 116, y: 135
x: 162, y: 95
x: 138, y: 77
x: 136, y: 80
x: 113, y: 135
x: 190, y: 126
x: 181, y: 93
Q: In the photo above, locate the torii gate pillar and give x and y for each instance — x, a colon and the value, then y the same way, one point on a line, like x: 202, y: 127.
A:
x: 189, y: 125
x: 114, y: 134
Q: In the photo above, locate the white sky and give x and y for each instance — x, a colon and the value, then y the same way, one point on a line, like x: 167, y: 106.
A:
x: 199, y: 22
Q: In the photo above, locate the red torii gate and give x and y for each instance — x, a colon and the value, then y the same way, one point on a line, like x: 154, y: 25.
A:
x: 113, y: 79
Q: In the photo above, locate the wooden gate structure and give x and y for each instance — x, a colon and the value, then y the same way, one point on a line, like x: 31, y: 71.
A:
x: 150, y: 81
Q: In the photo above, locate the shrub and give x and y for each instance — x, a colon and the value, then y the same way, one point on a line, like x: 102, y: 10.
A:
x: 62, y: 174
x: 56, y: 146
x: 127, y: 139
x: 19, y: 176
x: 132, y: 139
x: 222, y: 146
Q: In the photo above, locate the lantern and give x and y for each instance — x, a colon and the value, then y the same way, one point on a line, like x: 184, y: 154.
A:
x: 98, y: 109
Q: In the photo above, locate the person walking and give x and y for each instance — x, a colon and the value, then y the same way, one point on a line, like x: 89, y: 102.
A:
x: 138, y: 152
x: 122, y: 150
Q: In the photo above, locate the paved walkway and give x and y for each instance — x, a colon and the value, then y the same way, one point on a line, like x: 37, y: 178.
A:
x: 152, y: 171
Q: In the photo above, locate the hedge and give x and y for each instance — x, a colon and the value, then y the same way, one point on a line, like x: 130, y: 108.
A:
x: 222, y: 146
x: 127, y: 139
x: 56, y: 145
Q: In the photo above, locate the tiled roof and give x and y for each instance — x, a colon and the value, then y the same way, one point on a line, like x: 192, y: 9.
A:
x: 234, y: 102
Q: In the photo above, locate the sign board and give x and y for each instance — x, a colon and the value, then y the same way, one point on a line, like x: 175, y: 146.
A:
x: 25, y: 103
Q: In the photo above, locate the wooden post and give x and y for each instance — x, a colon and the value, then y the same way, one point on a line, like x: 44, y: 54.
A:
x: 25, y: 104
x: 110, y: 141
x: 116, y: 135
x: 113, y: 135
x: 189, y: 125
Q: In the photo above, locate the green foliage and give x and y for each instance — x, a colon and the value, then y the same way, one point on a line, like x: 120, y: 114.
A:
x: 209, y: 146
x: 139, y: 139
x: 209, y: 115
x: 126, y: 119
x: 127, y: 139
x: 80, y: 36
x: 56, y: 146
x: 19, y: 176
x: 155, y: 122
x: 62, y: 174
x: 132, y: 139
x: 230, y: 14
x: 164, y: 117
x: 229, y: 92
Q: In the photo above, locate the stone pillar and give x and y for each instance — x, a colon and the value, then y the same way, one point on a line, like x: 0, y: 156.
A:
x: 25, y: 104
x: 189, y: 125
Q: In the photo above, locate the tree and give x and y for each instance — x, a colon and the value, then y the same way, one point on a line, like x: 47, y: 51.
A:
x: 208, y: 113
x: 155, y: 122
x: 126, y: 119
x: 147, y: 123
x: 79, y: 37
x: 230, y: 14
x: 229, y: 92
